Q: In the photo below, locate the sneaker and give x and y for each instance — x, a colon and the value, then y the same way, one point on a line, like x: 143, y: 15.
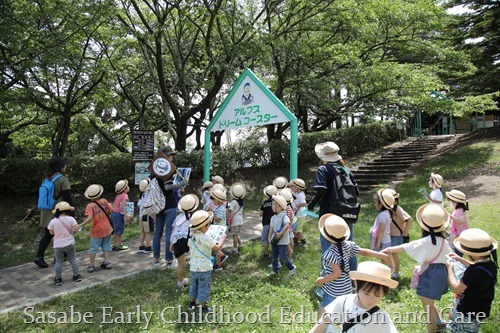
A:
x: 233, y: 251
x: 170, y: 264
x: 223, y: 258
x: 90, y: 269
x: 395, y: 275
x: 183, y: 283
x: 218, y: 267
x: 156, y: 263
x: 77, y: 278
x: 58, y: 281
x: 271, y: 265
x: 295, y: 241
x: 148, y: 249
x: 302, y: 242
x: 142, y: 249
x: 273, y: 273
x: 206, y: 309
x: 192, y: 307
x: 293, y: 271
x: 40, y: 262
x: 106, y: 265
x: 120, y: 247
x: 266, y: 256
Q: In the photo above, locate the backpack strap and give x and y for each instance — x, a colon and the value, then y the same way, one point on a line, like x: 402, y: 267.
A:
x: 359, y: 318
x: 397, y: 226
x: 488, y: 272
x: 106, y: 213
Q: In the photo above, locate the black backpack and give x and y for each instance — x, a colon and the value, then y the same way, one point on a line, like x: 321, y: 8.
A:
x: 345, y: 194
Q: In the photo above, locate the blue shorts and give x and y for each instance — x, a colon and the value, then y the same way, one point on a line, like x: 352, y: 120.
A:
x: 200, y: 285
x: 104, y: 243
x: 264, y: 237
x: 327, y: 299
x: 433, y: 282
x: 396, y: 240
x: 118, y: 223
x: 461, y: 323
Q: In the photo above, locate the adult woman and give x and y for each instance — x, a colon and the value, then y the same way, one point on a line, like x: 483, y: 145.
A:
x: 62, y: 192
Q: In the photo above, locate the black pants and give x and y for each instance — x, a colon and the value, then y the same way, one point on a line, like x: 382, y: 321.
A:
x: 44, y: 243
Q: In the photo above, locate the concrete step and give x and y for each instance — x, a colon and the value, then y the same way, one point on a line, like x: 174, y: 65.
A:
x: 389, y: 162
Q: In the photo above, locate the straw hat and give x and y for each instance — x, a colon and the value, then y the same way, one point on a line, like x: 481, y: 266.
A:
x: 200, y: 218
x: 374, y: 272
x: 280, y: 182
x: 218, y: 194
x: 238, y: 191
x: 280, y: 201
x: 219, y: 187
x: 437, y: 179
x: 270, y: 190
x: 333, y: 228
x: 94, y: 191
x: 386, y: 198
x: 217, y: 180
x: 457, y: 196
x: 62, y: 206
x: 143, y: 184
x: 328, y: 151
x: 297, y: 182
x: 188, y: 203
x: 207, y: 184
x: 393, y: 192
x: 433, y: 216
x: 121, y: 186
x: 287, y: 194
x: 475, y: 242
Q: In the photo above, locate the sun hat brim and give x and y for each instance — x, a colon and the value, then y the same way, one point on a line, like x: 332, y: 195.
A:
x: 450, y: 196
x: 421, y: 223
x: 478, y: 252
x: 321, y: 225
x: 435, y: 180
x: 123, y: 187
x: 189, y: 209
x: 382, y: 200
x: 231, y: 191
x: 203, y: 223
x: 91, y: 196
x: 297, y: 184
x: 318, y: 149
x: 66, y: 209
x: 356, y: 275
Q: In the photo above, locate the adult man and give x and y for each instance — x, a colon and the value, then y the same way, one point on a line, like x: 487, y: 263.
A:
x: 327, y: 189
x: 166, y: 217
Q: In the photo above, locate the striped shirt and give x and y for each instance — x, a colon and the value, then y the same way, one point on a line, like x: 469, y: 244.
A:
x: 342, y: 285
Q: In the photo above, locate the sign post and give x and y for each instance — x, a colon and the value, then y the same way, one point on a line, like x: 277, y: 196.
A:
x: 251, y: 103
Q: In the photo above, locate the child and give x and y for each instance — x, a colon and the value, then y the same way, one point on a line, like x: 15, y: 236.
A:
x: 279, y: 235
x: 266, y: 211
x: 360, y: 312
x: 218, y: 180
x: 62, y: 227
x: 205, y: 193
x: 458, y: 202
x: 200, y: 247
x: 146, y: 223
x: 380, y: 233
x: 436, y: 196
x: 211, y: 205
x: 119, y: 215
x: 290, y: 209
x: 430, y: 252
x: 280, y: 182
x: 477, y: 286
x: 180, y: 234
x: 218, y: 198
x: 298, y: 186
x: 400, y: 227
x: 100, y: 234
x: 235, y: 219
x: 334, y: 280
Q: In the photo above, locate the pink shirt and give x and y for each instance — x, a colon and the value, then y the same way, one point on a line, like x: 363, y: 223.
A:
x: 457, y: 228
x: 63, y: 230
x: 120, y: 202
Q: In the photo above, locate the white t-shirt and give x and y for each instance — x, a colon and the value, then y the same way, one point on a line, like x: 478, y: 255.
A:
x: 378, y: 322
x: 437, y: 195
x: 276, y: 222
x: 180, y: 228
x: 300, y: 198
x: 63, y: 230
x: 384, y: 217
x: 422, y: 250
x: 235, y: 208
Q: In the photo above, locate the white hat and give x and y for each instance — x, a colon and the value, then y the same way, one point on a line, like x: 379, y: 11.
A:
x: 280, y: 201
x: 200, y: 218
x: 143, y: 184
x: 280, y: 182
x: 298, y: 183
x: 217, y: 180
x: 94, y: 191
x: 62, y: 206
x: 287, y: 194
x: 188, y: 203
x: 328, y: 151
x: 238, y: 191
x: 375, y: 272
x: 270, y: 190
x: 121, y: 185
x: 218, y: 194
x: 333, y: 228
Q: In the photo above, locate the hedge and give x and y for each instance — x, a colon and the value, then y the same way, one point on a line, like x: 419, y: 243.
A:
x: 22, y: 177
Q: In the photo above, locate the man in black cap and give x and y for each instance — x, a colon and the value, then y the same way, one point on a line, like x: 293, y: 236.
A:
x: 166, y: 217
x: 62, y: 192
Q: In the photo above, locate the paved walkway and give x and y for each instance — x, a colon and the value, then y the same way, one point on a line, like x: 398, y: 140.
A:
x: 26, y: 284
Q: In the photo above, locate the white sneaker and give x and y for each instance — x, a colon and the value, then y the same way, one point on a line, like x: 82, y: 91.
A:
x: 271, y: 265
x: 293, y: 271
x: 156, y: 263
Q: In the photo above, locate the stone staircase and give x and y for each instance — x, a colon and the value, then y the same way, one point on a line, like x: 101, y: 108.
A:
x: 409, y: 154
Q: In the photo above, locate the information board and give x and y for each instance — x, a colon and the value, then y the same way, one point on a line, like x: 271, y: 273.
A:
x: 143, y: 145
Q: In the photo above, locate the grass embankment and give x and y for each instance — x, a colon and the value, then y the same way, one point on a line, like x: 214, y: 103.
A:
x: 246, y: 293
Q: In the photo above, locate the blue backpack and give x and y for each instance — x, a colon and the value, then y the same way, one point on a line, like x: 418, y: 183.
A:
x: 46, y: 198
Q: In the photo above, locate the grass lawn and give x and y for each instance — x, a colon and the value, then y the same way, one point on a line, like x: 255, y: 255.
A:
x: 245, y: 293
